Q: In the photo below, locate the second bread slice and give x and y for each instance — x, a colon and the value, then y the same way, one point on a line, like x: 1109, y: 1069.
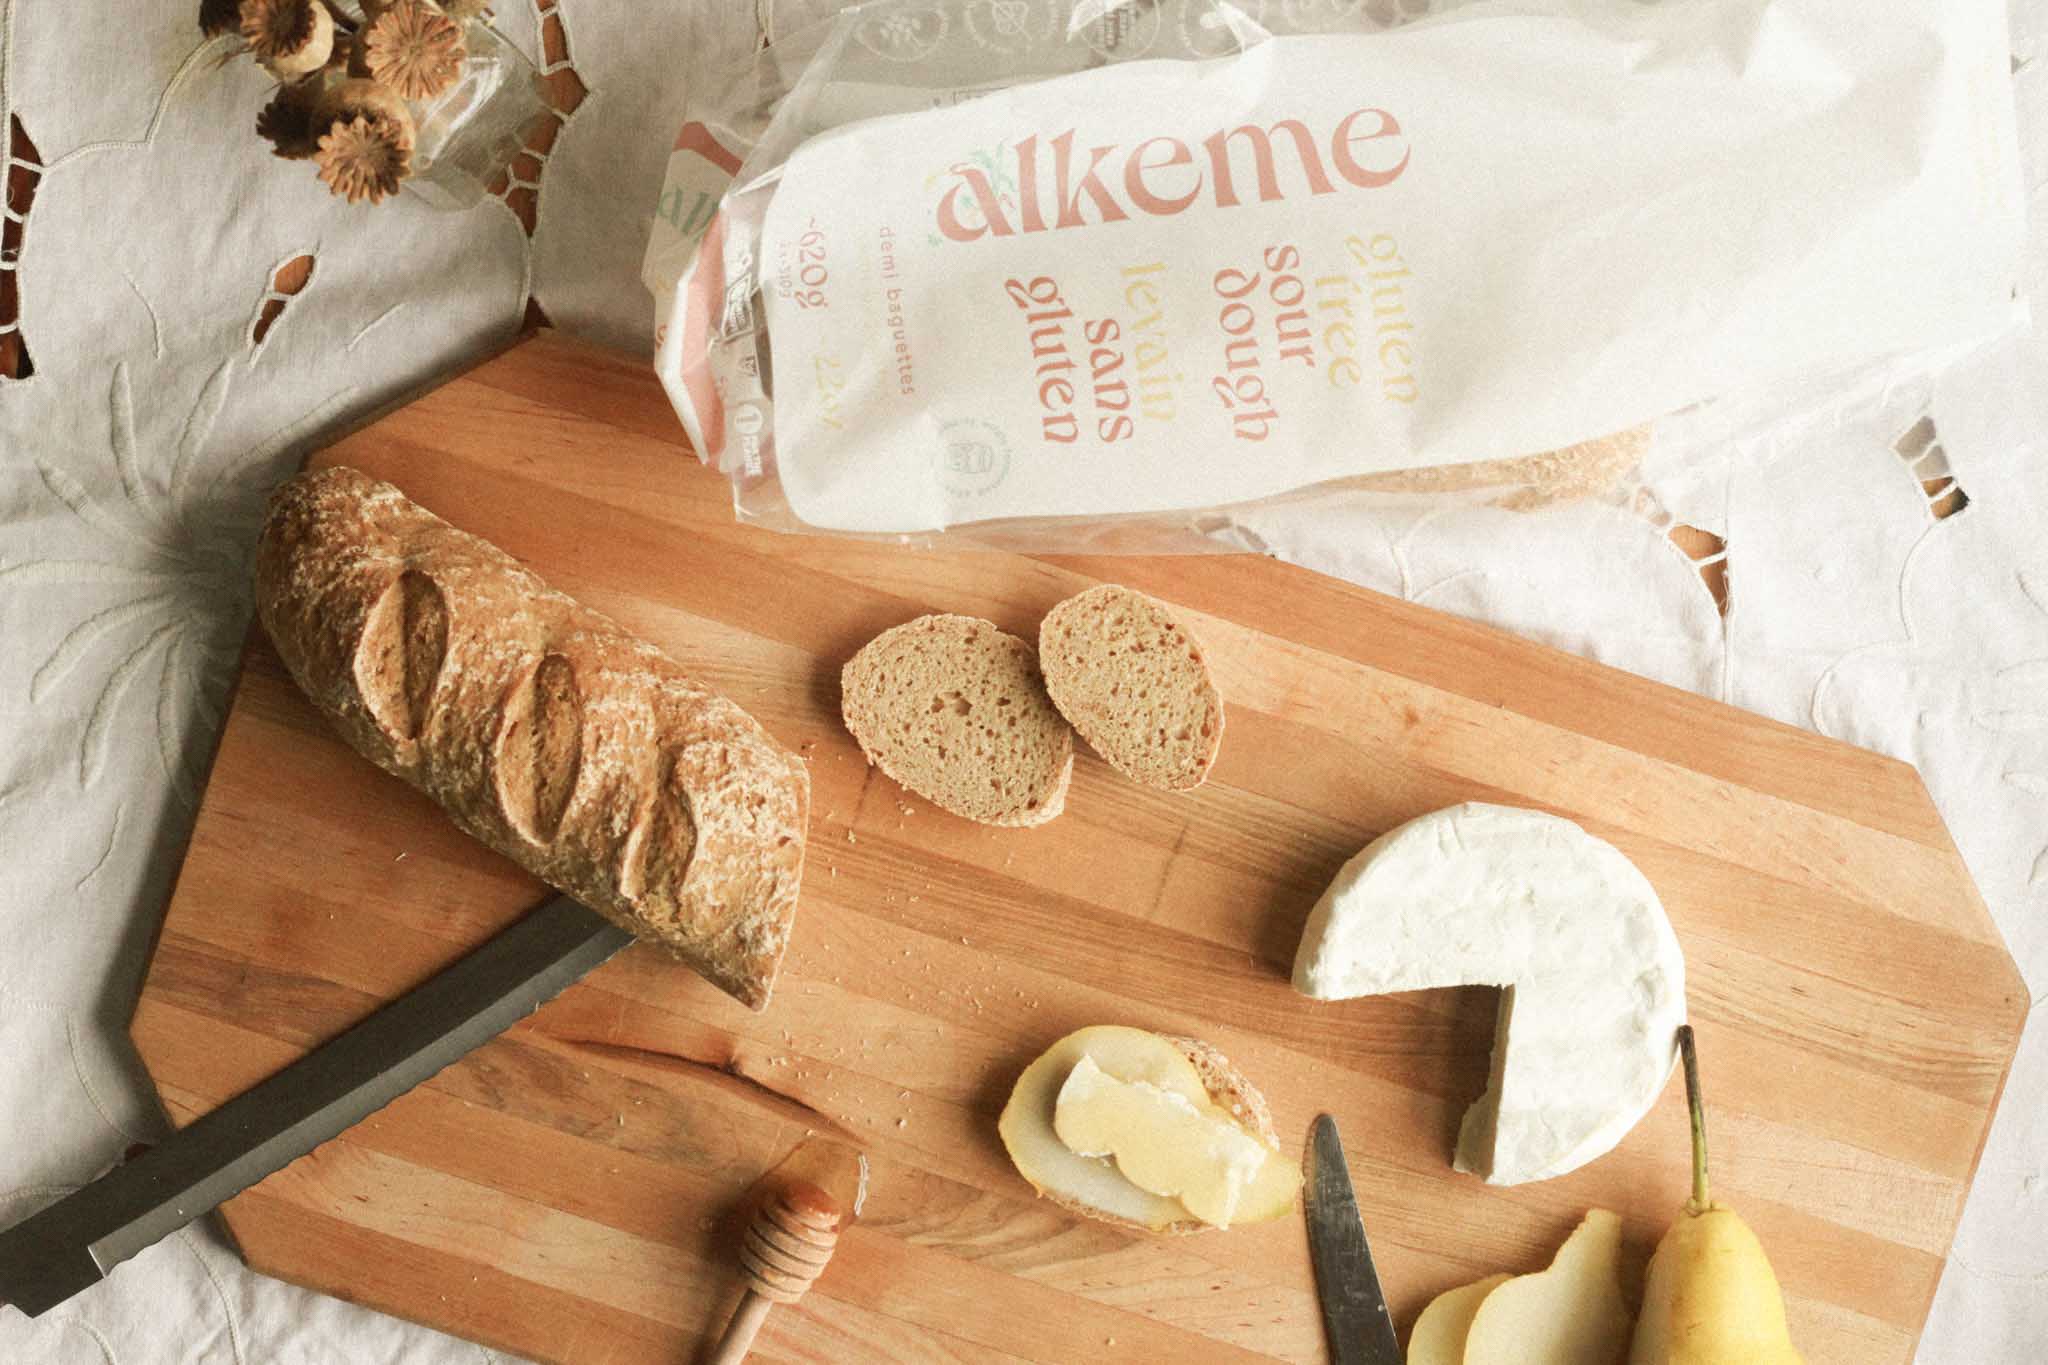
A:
x: 1131, y: 679
x: 953, y: 709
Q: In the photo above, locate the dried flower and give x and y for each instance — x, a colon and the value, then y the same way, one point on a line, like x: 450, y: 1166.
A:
x: 361, y: 158
x: 359, y: 97
x: 288, y: 121
x: 220, y: 16
x: 338, y: 60
x: 415, y: 49
x: 290, y: 37
x: 354, y: 55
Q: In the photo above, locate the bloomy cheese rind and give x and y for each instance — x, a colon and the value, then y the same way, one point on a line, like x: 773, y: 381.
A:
x: 1483, y: 894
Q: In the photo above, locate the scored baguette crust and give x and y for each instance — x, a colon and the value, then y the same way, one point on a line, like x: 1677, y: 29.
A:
x: 545, y: 730
x: 1227, y: 1089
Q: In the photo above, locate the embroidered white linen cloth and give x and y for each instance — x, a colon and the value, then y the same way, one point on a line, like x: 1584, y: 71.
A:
x: 177, y: 366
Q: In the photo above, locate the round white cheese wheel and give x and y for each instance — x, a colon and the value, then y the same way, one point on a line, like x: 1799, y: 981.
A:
x: 1593, y: 980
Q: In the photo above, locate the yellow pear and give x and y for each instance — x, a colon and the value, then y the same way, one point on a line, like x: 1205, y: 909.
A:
x: 1710, y: 1297
x: 1440, y: 1333
x: 1570, y: 1314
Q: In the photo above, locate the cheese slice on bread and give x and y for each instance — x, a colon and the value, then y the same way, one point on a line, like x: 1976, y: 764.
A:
x: 1147, y: 1131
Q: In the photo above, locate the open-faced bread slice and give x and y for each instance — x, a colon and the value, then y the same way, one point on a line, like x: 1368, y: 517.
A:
x: 954, y: 709
x: 1097, y: 1186
x: 1131, y: 678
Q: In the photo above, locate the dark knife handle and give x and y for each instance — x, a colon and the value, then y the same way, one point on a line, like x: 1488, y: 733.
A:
x: 74, y: 1242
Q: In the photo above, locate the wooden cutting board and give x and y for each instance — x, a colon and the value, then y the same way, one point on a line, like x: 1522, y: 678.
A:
x: 565, y: 1192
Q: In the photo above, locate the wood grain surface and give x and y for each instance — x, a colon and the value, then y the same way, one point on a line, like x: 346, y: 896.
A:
x: 568, y: 1191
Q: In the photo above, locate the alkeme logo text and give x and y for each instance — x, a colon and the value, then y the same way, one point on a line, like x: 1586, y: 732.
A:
x: 1164, y: 175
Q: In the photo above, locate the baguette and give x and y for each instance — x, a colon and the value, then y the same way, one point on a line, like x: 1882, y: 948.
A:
x: 581, y: 752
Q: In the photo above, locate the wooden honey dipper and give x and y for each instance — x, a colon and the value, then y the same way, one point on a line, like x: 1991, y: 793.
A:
x: 786, y: 1247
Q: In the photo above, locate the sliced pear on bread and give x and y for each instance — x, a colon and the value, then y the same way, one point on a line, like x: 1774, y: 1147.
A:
x: 1160, y: 1139
x: 1172, y: 1138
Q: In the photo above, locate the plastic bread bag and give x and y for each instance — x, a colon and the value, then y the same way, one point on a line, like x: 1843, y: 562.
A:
x: 1090, y: 274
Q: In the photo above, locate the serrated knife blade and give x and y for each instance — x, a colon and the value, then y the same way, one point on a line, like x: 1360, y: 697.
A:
x: 1356, y: 1323
x: 73, y: 1243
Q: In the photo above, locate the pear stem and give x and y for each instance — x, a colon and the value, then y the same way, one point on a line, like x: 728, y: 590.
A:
x: 1690, y: 1057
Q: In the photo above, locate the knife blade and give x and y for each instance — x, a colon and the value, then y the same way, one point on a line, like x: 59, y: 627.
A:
x: 1356, y: 1323
x: 73, y: 1243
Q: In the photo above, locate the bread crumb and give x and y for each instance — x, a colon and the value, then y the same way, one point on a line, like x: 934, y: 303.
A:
x: 903, y: 1123
x: 850, y: 839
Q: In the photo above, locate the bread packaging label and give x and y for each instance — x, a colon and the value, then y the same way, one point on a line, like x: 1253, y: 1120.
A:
x: 1174, y: 284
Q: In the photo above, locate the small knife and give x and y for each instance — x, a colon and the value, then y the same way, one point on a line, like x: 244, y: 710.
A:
x: 72, y: 1244
x: 1356, y: 1323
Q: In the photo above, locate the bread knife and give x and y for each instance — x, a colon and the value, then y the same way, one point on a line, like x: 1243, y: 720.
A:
x: 75, y: 1242
x: 1356, y: 1323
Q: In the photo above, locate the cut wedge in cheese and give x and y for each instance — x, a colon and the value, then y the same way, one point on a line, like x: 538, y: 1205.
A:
x: 1593, y: 980
x: 1145, y: 1130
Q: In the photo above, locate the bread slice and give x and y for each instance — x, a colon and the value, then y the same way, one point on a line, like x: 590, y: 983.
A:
x: 954, y: 709
x: 1131, y: 678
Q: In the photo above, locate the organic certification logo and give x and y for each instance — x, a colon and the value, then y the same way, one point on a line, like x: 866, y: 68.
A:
x: 972, y: 456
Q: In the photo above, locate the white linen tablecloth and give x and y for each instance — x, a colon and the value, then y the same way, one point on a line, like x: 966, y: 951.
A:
x: 147, y: 228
